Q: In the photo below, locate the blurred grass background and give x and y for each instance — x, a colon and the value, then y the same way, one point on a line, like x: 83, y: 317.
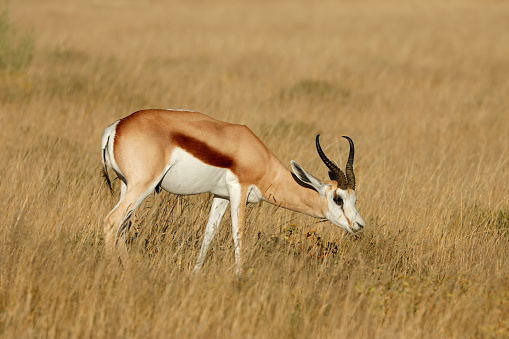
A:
x: 421, y: 87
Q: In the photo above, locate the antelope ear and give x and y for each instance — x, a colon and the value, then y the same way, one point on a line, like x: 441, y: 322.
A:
x: 308, y: 179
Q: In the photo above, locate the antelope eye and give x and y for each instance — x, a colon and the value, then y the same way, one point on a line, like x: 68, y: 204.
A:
x: 338, y: 200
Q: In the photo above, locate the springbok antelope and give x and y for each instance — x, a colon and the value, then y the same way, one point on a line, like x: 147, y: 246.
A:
x: 186, y: 152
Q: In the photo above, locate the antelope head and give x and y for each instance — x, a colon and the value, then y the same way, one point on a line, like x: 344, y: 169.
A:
x: 339, y: 193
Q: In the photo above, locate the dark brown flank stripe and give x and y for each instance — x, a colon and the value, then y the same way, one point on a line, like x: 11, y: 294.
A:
x: 202, y: 151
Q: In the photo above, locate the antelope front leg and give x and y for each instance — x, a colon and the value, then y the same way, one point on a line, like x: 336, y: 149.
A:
x: 216, y: 214
x: 238, y: 211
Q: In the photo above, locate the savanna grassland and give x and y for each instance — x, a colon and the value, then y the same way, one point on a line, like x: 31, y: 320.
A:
x: 421, y: 87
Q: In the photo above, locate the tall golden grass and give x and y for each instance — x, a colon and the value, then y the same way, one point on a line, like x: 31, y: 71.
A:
x: 421, y: 87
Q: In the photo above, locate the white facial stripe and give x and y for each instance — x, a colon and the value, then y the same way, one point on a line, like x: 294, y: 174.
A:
x: 344, y: 215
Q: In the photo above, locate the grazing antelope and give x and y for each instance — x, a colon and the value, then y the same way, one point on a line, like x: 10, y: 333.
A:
x: 186, y: 152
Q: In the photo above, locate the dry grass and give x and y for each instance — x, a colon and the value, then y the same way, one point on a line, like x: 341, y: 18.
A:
x: 422, y: 89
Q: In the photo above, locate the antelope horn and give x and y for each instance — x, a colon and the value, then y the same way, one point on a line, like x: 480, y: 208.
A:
x: 340, y: 176
x: 350, y: 176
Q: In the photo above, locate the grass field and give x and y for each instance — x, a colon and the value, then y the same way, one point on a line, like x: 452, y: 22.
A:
x: 421, y: 87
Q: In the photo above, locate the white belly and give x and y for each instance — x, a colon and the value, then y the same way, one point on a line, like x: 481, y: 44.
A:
x: 189, y: 175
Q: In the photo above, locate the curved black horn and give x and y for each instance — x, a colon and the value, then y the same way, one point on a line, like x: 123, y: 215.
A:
x: 350, y: 176
x: 340, y: 176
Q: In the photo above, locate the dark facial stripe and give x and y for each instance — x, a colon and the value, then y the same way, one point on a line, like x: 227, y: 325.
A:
x: 348, y: 220
x: 202, y: 151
